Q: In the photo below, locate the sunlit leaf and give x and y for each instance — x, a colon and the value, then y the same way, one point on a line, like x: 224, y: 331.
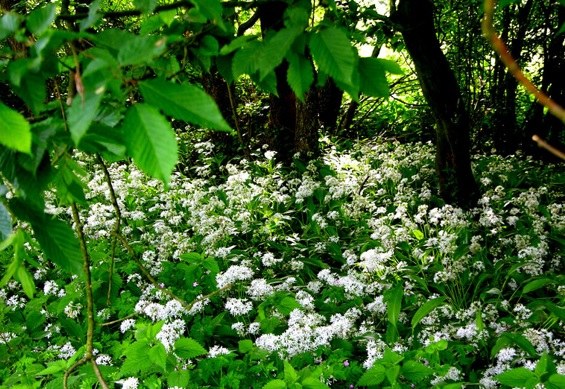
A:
x: 334, y: 54
x: 14, y: 130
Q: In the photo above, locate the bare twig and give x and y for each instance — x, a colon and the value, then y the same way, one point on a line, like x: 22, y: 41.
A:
x: 544, y: 145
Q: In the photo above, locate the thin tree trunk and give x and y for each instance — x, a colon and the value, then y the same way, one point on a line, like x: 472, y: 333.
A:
x: 440, y: 88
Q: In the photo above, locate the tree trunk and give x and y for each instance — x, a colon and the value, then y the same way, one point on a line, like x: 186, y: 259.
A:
x: 307, y: 125
x: 439, y: 86
x: 282, y: 115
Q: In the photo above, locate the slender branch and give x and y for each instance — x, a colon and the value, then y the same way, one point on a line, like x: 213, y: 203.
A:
x: 511, y: 64
x: 89, y: 355
x: 117, y: 225
x: 109, y: 323
x: 544, y: 145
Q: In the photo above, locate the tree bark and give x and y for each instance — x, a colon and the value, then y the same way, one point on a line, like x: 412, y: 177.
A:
x: 440, y: 88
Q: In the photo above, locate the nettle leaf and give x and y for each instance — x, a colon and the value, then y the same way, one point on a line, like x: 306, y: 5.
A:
x: 184, y: 102
x: 189, y: 348
x: 518, y: 377
x: 40, y: 19
x: 136, y: 358
x: 372, y: 377
x: 415, y: 371
x: 14, y: 130
x: 150, y: 141
x: 275, y: 384
x: 158, y: 356
x: 334, y: 54
x: 300, y: 75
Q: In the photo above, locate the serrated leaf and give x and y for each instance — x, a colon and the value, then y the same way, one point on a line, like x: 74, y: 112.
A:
x: 374, y: 79
x: 40, y: 19
x: 150, y: 141
x: 53, y: 368
x: 334, y: 54
x: 5, y: 223
x: 179, y: 379
x: 372, y: 377
x: 415, y: 371
x: 275, y: 384
x: 136, y: 358
x: 517, y: 377
x: 189, y: 348
x: 59, y: 242
x: 81, y: 113
x: 426, y: 308
x: 14, y: 130
x: 140, y: 49
x: 245, y: 60
x: 274, y: 49
x: 290, y: 375
x: 390, y: 66
x: 184, y: 102
x: 300, y: 75
x: 158, y: 356
x: 313, y: 383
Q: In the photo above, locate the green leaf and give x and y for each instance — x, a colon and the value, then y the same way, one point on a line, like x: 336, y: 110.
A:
x: 28, y: 84
x: 290, y: 375
x: 245, y: 345
x: 418, y: 234
x: 26, y: 279
x: 390, y: 66
x: 275, y: 48
x: 59, y: 243
x: 53, y: 368
x: 180, y: 378
x: 5, y: 223
x: 393, y: 299
x: 536, y: 284
x: 374, y: 79
x: 158, y: 356
x: 245, y: 60
x: 136, y: 358
x: 150, y: 141
x: 40, y: 19
x: 300, y: 75
x: 392, y: 373
x: 426, y: 308
x: 210, y: 9
x: 9, y: 23
x: 93, y: 15
x: 275, y: 384
x: 415, y: 371
x: 184, y: 102
x: 334, y: 54
x: 140, y: 49
x: 82, y: 112
x: 518, y: 377
x: 189, y: 348
x: 313, y: 383
x: 17, y: 240
x: 557, y: 379
x: 14, y: 130
x: 146, y: 6
x: 372, y: 377
x: 287, y: 304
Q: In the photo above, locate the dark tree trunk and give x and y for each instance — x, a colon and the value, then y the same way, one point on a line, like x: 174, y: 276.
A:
x: 439, y: 86
x: 329, y: 103
x: 282, y: 115
x: 307, y: 125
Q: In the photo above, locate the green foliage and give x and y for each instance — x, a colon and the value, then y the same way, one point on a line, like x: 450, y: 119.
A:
x: 14, y: 130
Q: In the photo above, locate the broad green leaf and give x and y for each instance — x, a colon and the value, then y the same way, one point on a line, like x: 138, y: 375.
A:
x: 140, y: 49
x: 59, y: 243
x: 287, y: 304
x: 150, y: 141
x: 390, y: 66
x: 393, y: 299
x: 146, y: 6
x: 93, y: 15
x: 137, y: 359
x: 14, y: 130
x: 374, y: 79
x: 418, y: 234
x: 53, y: 368
x: 5, y: 223
x: 290, y: 375
x: 334, y: 54
x: 415, y: 371
x: 536, y: 284
x: 391, y: 358
x: 26, y: 279
x: 180, y: 378
x: 392, y: 373
x: 40, y: 19
x: 158, y: 356
x: 275, y: 48
x: 236, y: 44
x: 245, y: 345
x: 313, y: 383
x: 300, y: 75
x: 189, y: 348
x: 82, y: 112
x: 426, y: 308
x: 518, y: 377
x: 17, y: 240
x: 245, y: 60
x: 557, y: 379
x: 372, y: 377
x: 275, y: 384
x: 28, y: 84
x: 9, y: 23
x: 184, y: 102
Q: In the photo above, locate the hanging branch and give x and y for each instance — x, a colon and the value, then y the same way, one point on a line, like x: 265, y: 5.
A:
x: 500, y: 47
